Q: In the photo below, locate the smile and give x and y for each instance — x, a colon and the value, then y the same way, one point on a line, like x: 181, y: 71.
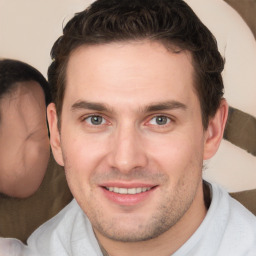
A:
x: 128, y: 191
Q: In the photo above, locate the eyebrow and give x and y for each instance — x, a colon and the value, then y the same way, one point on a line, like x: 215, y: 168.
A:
x: 89, y: 105
x: 167, y: 105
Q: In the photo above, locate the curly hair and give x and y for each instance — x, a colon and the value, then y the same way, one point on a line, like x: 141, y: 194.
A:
x: 169, y: 22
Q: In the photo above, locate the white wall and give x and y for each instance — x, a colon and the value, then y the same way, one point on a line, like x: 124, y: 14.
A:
x: 28, y: 29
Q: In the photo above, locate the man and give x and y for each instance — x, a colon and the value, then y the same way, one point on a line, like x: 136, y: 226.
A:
x: 138, y: 107
x: 29, y: 177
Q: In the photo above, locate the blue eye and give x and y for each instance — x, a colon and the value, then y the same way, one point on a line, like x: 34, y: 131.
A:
x: 95, y: 120
x: 160, y: 120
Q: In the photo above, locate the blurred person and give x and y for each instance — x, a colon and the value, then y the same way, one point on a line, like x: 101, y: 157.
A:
x: 24, y: 147
x: 32, y: 185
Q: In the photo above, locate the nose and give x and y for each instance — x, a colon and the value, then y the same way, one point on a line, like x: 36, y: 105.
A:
x: 127, y: 151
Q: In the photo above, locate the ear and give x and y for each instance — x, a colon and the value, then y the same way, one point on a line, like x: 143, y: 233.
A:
x: 215, y: 130
x: 54, y: 133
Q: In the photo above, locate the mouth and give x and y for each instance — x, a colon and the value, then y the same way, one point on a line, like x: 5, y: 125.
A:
x: 128, y: 191
x: 128, y: 195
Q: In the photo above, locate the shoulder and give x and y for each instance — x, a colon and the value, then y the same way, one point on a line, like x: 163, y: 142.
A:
x: 12, y: 247
x: 62, y: 220
x: 236, y: 223
x: 223, y: 204
x: 68, y: 231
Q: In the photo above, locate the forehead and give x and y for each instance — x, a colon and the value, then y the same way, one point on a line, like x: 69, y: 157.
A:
x: 128, y: 71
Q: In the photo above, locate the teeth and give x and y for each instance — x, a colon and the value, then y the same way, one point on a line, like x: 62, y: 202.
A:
x: 138, y: 190
x: 125, y: 191
x: 131, y: 191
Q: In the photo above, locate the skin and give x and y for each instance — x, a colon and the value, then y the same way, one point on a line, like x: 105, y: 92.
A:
x: 147, y: 132
x: 24, y: 149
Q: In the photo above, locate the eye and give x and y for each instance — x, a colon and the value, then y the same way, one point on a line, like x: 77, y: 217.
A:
x: 160, y: 120
x: 95, y: 120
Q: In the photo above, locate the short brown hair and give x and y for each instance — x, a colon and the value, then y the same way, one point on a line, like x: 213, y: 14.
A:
x: 170, y: 22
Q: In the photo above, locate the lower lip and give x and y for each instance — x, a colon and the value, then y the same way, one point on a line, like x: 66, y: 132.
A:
x: 127, y: 199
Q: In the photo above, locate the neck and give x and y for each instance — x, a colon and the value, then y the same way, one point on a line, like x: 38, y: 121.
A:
x: 165, y: 244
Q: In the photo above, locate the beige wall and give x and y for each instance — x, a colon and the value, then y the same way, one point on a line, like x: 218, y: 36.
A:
x: 28, y: 29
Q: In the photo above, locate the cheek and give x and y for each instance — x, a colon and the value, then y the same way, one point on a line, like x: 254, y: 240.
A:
x: 82, y: 155
x: 82, y: 158
x: 177, y: 154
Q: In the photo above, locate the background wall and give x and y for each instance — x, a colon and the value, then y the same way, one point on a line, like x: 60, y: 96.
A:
x: 28, y: 29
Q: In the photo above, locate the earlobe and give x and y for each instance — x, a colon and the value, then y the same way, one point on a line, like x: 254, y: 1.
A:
x: 215, y: 130
x: 54, y: 133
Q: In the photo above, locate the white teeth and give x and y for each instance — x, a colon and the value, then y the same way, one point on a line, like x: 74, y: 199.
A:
x: 131, y: 191
x: 122, y: 191
x: 138, y: 190
x: 125, y: 191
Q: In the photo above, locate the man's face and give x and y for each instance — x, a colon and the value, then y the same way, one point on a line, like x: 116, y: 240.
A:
x: 131, y: 138
x: 24, y: 148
